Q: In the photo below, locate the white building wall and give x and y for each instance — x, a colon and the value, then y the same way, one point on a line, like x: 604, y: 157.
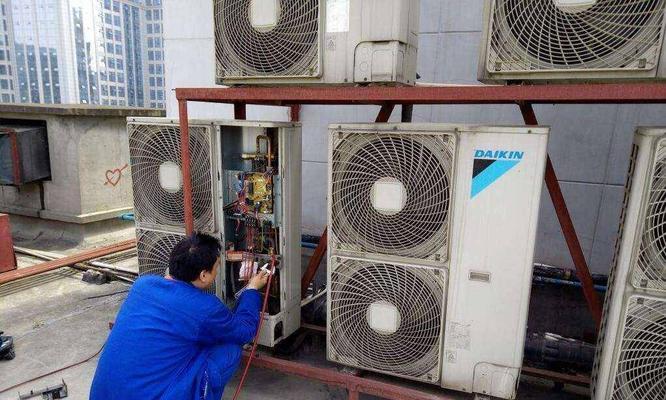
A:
x: 589, y: 144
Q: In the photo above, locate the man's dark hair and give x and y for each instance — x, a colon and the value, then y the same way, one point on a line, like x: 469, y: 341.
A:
x: 192, y: 255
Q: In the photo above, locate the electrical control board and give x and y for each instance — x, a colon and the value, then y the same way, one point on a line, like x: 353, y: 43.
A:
x: 260, y: 203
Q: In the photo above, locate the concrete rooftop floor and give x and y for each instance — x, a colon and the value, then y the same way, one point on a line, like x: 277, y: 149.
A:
x: 56, y: 320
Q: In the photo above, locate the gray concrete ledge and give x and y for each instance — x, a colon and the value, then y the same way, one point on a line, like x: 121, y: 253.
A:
x: 79, y: 110
x: 85, y: 218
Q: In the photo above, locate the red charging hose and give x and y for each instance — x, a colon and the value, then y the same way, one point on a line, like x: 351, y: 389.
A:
x: 256, y: 336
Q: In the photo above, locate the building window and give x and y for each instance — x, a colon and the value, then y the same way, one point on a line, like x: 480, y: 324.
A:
x: 118, y: 36
x: 109, y: 34
x: 121, y: 77
x: 159, y: 69
x: 5, y: 97
x: 160, y: 95
x: 119, y: 63
x: 107, y: 18
x: 109, y: 48
x: 150, y: 42
x: 151, y: 55
x: 116, y: 6
x: 119, y: 49
x: 116, y: 20
x: 105, y: 90
x: 152, y: 81
x: 107, y: 4
x: 112, y: 90
x: 158, y: 55
x: 149, y: 15
x: 4, y: 84
x: 3, y: 70
x: 112, y: 76
x: 111, y: 62
x: 114, y: 102
x: 150, y: 28
x: 152, y: 95
x: 121, y: 92
x: 151, y: 68
x: 157, y: 28
x: 156, y: 15
x: 159, y: 81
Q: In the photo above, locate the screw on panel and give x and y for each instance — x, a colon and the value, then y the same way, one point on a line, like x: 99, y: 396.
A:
x: 642, y: 63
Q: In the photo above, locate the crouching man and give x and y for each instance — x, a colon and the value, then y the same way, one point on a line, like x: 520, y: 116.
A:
x: 171, y: 339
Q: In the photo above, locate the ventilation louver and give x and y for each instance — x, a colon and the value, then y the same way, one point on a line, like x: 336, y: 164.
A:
x: 157, y: 181
x: 642, y: 358
x: 542, y: 35
x: 267, y: 38
x: 154, y: 249
x: 390, y: 193
x: 386, y: 317
x: 650, y: 271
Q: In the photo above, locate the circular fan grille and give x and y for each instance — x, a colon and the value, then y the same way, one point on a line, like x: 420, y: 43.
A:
x: 542, y: 35
x: 290, y: 48
x: 650, y: 270
x: 422, y: 167
x: 411, y: 350
x: 154, y: 250
x: 152, y: 147
x: 641, y: 370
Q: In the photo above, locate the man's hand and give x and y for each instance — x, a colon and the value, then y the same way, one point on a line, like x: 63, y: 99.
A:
x: 259, y: 280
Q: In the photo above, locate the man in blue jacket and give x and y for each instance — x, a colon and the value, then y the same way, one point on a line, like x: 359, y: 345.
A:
x: 172, y: 340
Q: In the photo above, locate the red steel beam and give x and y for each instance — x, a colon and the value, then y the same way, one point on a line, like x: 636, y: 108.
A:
x: 7, y: 256
x: 185, y: 160
x: 313, y: 264
x: 568, y: 229
x: 385, y: 112
x: 353, y: 384
x: 474, y: 94
x: 578, y: 380
x: 66, y: 261
x: 295, y: 112
x: 240, y: 111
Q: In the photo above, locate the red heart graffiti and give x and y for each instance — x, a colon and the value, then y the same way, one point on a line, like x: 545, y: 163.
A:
x: 113, y: 176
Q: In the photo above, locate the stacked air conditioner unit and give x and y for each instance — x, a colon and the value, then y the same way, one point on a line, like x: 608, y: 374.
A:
x: 432, y: 233
x: 157, y: 185
x: 631, y: 355
x: 555, y: 40
x: 221, y: 152
x: 316, y: 41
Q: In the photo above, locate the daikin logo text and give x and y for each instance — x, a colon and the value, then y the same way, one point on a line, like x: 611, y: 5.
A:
x: 499, y: 154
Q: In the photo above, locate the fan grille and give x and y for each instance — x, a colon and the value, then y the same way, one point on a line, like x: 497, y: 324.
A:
x: 641, y: 369
x: 650, y: 271
x: 151, y: 146
x: 611, y: 276
x: 290, y: 49
x: 423, y: 166
x: 154, y: 250
x: 413, y: 350
x: 533, y: 35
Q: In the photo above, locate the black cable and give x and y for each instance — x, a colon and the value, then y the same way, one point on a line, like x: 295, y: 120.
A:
x: 52, y: 372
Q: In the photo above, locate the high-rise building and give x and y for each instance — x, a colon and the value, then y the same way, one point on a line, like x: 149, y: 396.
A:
x: 8, y: 81
x: 155, y: 46
x: 84, y: 51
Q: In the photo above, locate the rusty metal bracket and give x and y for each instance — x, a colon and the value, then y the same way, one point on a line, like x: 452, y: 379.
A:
x: 568, y: 229
x: 88, y: 255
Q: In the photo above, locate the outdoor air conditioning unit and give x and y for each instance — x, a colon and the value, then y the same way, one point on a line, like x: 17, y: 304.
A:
x: 589, y: 40
x: 631, y: 355
x: 246, y: 187
x: 316, y: 41
x: 421, y: 264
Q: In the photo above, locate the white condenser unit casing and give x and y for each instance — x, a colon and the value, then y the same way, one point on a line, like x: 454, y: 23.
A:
x: 573, y: 40
x: 451, y: 308
x: 270, y: 42
x: 219, y: 151
x: 631, y: 352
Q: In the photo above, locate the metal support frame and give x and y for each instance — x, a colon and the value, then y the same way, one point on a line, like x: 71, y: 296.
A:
x: 567, y: 226
x: 354, y: 384
x: 88, y: 255
x: 7, y: 255
x: 387, y: 97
